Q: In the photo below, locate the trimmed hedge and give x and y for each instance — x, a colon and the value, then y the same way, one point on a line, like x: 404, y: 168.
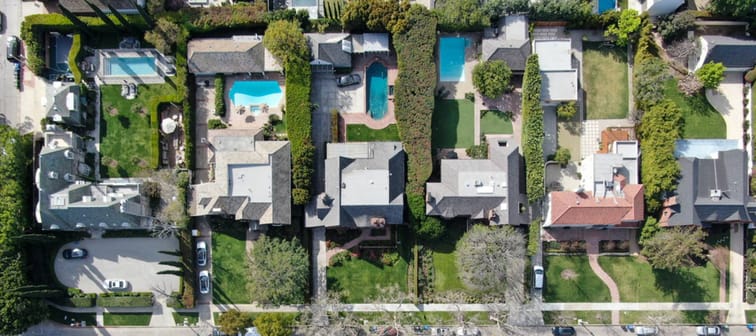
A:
x: 299, y: 126
x: 240, y: 15
x: 220, y: 91
x: 74, y: 57
x: 76, y: 298
x: 532, y: 130
x: 661, y: 126
x: 125, y: 299
x: 335, y: 125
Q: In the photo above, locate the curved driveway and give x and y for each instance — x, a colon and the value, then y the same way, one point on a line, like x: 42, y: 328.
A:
x: 132, y: 259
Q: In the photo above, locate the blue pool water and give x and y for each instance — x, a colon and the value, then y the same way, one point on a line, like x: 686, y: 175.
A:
x: 452, y: 59
x: 245, y: 93
x: 129, y: 66
x: 377, y: 85
x: 605, y: 5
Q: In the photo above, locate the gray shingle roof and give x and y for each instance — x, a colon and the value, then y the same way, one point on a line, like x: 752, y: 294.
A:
x: 57, y: 101
x: 328, y: 48
x: 225, y: 56
x: 510, y: 44
x: 730, y: 51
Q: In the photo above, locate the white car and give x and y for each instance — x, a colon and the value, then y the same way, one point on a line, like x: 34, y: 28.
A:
x: 708, y: 331
x: 538, y: 277
x: 645, y: 331
x: 204, y: 282
x: 201, y: 253
x: 115, y: 284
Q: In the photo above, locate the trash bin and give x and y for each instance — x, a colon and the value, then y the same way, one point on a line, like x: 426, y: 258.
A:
x: 749, y: 326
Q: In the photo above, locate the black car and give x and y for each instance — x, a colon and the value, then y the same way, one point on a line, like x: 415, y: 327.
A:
x: 13, y: 45
x: 563, y: 331
x: 347, y: 80
x: 75, y: 253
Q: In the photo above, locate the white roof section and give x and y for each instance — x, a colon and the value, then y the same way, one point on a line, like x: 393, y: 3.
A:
x: 365, y: 187
x: 252, y: 180
x: 371, y: 42
x: 554, y: 54
x: 516, y: 27
x: 489, y: 181
x: 559, y: 85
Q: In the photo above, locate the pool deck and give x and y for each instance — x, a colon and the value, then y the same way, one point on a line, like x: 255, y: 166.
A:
x: 238, y: 118
x: 457, y: 90
x: 99, y: 61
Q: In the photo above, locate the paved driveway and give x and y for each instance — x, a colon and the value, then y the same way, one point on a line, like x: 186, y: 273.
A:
x: 728, y: 100
x: 328, y: 96
x: 132, y: 259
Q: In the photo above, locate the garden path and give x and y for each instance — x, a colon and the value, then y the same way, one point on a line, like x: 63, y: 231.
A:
x: 592, y: 246
x: 365, y: 235
x: 737, y: 250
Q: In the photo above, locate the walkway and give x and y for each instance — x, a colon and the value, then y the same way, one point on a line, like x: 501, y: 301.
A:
x: 592, y: 246
x: 319, y: 262
x: 737, y: 250
x: 728, y: 100
x: 365, y: 235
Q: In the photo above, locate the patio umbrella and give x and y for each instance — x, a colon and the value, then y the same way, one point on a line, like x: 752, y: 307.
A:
x: 168, y: 125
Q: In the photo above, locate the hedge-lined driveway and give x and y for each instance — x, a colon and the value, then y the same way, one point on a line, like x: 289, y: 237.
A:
x: 132, y: 259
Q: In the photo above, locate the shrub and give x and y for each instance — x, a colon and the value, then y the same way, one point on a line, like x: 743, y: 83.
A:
x: 534, y: 236
x: 577, y: 13
x: 659, y: 129
x: 220, y: 93
x: 76, y: 298
x: 470, y: 96
x: 750, y: 76
x: 711, y: 74
x: 460, y: 15
x: 675, y: 26
x: 646, y: 47
x: 430, y: 228
x: 340, y: 258
x: 236, y: 16
x: 648, y: 82
x: 335, y: 125
x: 478, y: 151
x: 216, y: 124
x: 532, y: 134
x: 567, y: 110
x: 562, y: 156
x: 389, y: 259
x: 74, y: 57
x: 375, y: 15
x: 125, y: 299
x: 624, y: 30
x: 491, y: 78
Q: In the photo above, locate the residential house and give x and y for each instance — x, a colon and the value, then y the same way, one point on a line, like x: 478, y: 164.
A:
x: 610, y: 196
x: 364, y: 186
x: 656, y: 7
x: 81, y: 7
x: 234, y: 55
x: 488, y: 190
x: 330, y: 51
x: 712, y: 189
x: 70, y: 200
x: 63, y: 104
x: 509, y: 42
x: 559, y: 80
x: 736, y: 54
x: 250, y: 179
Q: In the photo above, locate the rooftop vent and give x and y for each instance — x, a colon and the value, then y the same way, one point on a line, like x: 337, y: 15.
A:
x: 69, y: 178
x: 715, y: 194
x: 68, y: 154
x: 52, y: 175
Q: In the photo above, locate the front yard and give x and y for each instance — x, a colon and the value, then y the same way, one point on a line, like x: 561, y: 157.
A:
x: 638, y: 282
x: 452, y: 124
x: 360, y: 281
x: 357, y: 132
x: 127, y: 319
x: 605, y: 74
x: 570, y: 279
x: 230, y: 268
x: 445, y: 258
x: 702, y: 121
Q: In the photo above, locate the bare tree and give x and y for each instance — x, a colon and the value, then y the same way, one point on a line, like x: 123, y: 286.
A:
x: 164, y: 230
x: 689, y: 85
x: 392, y: 295
x: 491, y: 260
x: 323, y: 318
x: 681, y: 49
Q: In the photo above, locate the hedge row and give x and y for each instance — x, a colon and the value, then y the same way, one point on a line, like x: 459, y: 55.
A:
x: 335, y: 118
x: 75, y: 56
x: 240, y: 15
x: 299, y: 127
x: 35, y: 26
x: 77, y: 298
x: 125, y: 299
x: 532, y: 130
x: 220, y: 91
x: 15, y: 188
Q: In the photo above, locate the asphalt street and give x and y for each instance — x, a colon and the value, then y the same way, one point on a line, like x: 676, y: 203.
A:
x: 10, y: 109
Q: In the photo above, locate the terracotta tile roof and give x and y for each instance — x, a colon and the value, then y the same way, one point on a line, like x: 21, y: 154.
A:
x: 570, y: 208
x: 612, y: 134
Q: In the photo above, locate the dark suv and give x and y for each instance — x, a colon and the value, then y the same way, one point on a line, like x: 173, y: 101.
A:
x: 563, y: 331
x: 14, y: 48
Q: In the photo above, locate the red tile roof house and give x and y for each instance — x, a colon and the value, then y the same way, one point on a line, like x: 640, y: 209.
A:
x: 610, y: 196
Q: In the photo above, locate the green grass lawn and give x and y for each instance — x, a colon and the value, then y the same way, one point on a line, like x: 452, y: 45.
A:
x: 571, y: 317
x: 605, y: 81
x: 679, y: 316
x: 702, y: 121
x: 750, y: 316
x: 230, y: 270
x: 192, y: 318
x: 126, y: 132
x: 453, y: 124
x: 357, y: 132
x: 67, y: 318
x: 495, y: 122
x: 638, y: 282
x: 359, y: 280
x: 127, y: 319
x: 444, y: 258
x: 570, y: 279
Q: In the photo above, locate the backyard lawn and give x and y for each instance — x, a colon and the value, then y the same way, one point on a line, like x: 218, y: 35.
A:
x: 127, y: 131
x: 191, y: 318
x: 67, y: 318
x: 638, y: 282
x: 570, y: 279
x: 444, y: 258
x: 453, y: 124
x: 357, y: 132
x: 359, y: 280
x: 127, y: 319
x: 605, y: 75
x: 230, y: 271
x: 702, y: 121
x: 495, y: 122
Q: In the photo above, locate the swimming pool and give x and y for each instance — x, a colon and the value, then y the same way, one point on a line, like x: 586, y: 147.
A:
x: 245, y: 93
x: 452, y: 59
x: 377, y: 85
x: 129, y: 66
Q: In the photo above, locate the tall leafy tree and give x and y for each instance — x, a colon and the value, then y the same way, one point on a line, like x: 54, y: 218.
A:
x: 711, y: 74
x: 490, y: 258
x: 17, y: 313
x: 675, y: 248
x: 234, y: 321
x: 164, y: 35
x: 279, y: 271
x: 532, y: 133
x: 286, y: 42
x: 272, y: 324
x: 624, y: 30
x: 660, y: 127
x: 491, y: 78
x: 737, y: 8
x: 461, y: 15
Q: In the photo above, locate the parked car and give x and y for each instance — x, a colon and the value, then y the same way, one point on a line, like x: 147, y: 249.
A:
x: 563, y: 331
x: 201, y: 253
x: 116, y: 284
x: 646, y: 331
x: 14, y: 48
x: 75, y: 253
x: 708, y: 331
x: 538, y: 277
x: 204, y: 282
x: 347, y: 80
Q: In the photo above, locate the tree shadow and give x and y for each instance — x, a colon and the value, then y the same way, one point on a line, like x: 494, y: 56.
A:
x: 683, y: 285
x: 125, y: 122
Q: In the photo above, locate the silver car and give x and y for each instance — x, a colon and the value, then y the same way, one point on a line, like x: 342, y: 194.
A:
x: 708, y: 331
x: 646, y: 331
x: 201, y: 253
x: 204, y: 282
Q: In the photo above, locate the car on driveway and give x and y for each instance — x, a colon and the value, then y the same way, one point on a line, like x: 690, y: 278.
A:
x: 646, y: 331
x: 13, y: 48
x: 563, y: 331
x: 115, y: 284
x: 204, y: 282
x: 348, y: 80
x: 201, y: 253
x: 708, y: 331
x: 74, y: 253
x: 538, y: 277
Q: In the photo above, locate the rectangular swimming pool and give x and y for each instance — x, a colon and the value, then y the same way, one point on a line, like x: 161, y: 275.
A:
x: 451, y: 59
x: 130, y: 66
x: 246, y: 93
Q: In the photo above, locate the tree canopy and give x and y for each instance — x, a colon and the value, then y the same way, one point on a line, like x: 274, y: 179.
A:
x: 491, y: 78
x: 489, y: 257
x: 532, y: 132
x: 286, y: 42
x: 660, y: 127
x: 737, y: 8
x: 461, y: 15
x: 164, y: 35
x: 648, y: 85
x: 375, y: 15
x: 234, y: 321
x: 711, y: 74
x: 624, y: 30
x: 16, y: 312
x: 675, y: 248
x: 279, y: 271
x: 273, y: 324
